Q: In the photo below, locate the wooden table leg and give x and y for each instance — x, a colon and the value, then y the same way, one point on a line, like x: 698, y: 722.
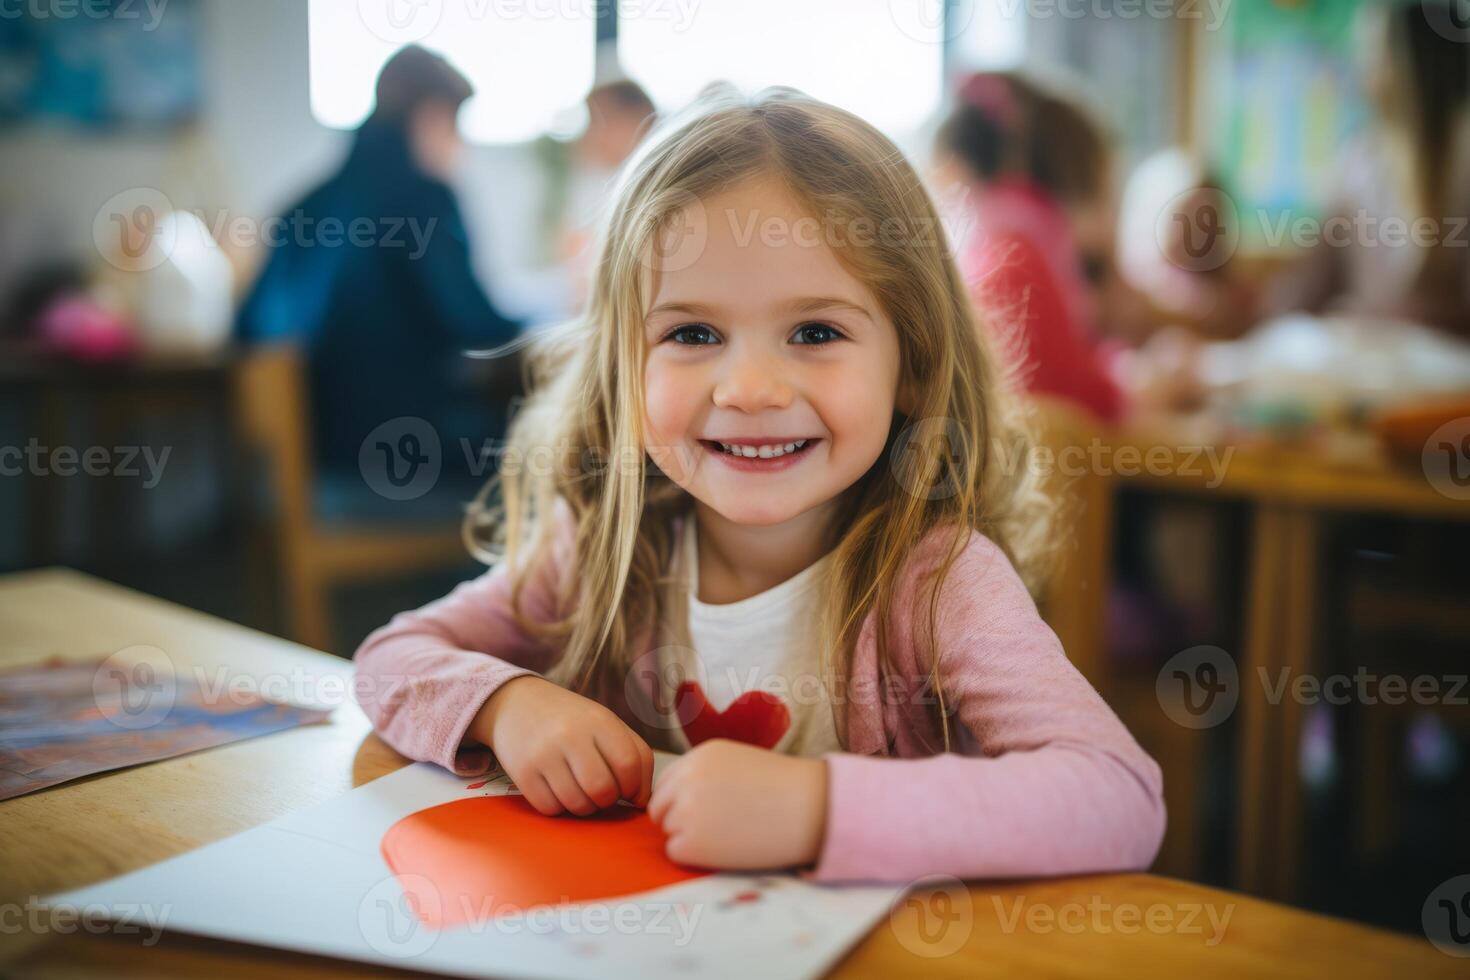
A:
x: 1254, y: 810
x: 1298, y: 656
x: 1280, y: 626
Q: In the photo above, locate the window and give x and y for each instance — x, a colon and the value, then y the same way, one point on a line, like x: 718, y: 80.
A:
x: 987, y: 35
x: 882, y: 59
x: 529, y: 61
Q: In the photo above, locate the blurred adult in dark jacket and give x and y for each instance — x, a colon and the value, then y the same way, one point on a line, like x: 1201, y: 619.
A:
x: 371, y: 274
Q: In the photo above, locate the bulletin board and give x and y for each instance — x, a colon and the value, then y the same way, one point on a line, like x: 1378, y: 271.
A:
x: 1288, y: 93
x: 101, y: 65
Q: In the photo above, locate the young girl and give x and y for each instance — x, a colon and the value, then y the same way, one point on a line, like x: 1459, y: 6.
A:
x: 721, y: 535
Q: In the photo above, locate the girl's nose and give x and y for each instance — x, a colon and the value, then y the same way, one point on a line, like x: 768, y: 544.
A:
x: 752, y: 383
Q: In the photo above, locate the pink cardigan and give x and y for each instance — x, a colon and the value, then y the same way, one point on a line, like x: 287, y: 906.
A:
x: 1049, y: 781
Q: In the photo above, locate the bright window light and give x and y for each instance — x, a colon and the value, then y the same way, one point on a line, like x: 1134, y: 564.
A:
x: 529, y: 61
x: 881, y: 59
x: 988, y: 34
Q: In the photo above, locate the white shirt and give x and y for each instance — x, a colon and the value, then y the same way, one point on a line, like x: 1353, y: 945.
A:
x: 761, y: 650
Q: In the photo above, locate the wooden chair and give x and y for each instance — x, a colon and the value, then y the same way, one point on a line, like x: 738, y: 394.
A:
x: 273, y: 405
x: 1074, y: 603
x: 1074, y: 600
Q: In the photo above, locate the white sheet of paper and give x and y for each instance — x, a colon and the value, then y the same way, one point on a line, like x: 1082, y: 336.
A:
x: 315, y: 881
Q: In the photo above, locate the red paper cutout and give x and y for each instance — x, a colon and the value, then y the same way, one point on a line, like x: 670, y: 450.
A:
x: 484, y: 856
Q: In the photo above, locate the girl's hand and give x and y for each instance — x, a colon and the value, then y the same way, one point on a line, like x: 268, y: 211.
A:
x: 728, y: 805
x: 562, y: 750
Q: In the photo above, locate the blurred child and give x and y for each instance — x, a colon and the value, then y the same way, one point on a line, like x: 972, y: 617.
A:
x: 1025, y: 156
x: 1174, y: 256
x: 820, y: 605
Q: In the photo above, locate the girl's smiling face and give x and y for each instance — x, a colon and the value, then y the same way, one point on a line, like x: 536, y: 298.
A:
x: 761, y: 335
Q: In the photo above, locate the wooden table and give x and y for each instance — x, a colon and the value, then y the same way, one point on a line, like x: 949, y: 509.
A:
x: 95, y: 828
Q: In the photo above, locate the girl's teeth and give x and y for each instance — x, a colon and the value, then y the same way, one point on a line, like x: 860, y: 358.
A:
x: 763, y: 452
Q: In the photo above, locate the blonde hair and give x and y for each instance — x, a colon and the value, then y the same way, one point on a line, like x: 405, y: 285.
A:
x: 586, y: 396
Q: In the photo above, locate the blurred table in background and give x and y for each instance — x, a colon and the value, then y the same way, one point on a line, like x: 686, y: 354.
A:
x: 237, y: 422
x: 59, y: 399
x: 1290, y: 492
x: 106, y: 825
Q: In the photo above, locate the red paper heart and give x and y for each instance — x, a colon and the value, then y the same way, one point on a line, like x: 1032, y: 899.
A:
x: 478, y: 858
x: 757, y: 717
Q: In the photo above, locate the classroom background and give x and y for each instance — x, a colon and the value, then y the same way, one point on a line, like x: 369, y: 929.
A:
x: 1253, y: 380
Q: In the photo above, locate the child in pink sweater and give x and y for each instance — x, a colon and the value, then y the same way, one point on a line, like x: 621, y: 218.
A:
x: 768, y: 507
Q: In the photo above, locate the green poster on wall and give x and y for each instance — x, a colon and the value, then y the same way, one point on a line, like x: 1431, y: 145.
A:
x: 1288, y: 94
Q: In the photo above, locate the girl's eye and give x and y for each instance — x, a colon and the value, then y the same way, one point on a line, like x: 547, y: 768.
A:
x: 697, y: 329
x: 817, y: 330
x: 700, y: 335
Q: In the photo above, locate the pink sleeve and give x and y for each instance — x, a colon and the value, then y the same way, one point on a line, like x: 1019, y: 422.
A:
x: 1058, y: 785
x: 422, y: 678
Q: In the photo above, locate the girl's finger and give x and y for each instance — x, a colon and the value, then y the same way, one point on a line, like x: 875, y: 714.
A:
x: 659, y: 803
x: 538, y: 793
x: 621, y: 755
x: 564, y: 785
x: 645, y: 753
x: 595, y: 778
